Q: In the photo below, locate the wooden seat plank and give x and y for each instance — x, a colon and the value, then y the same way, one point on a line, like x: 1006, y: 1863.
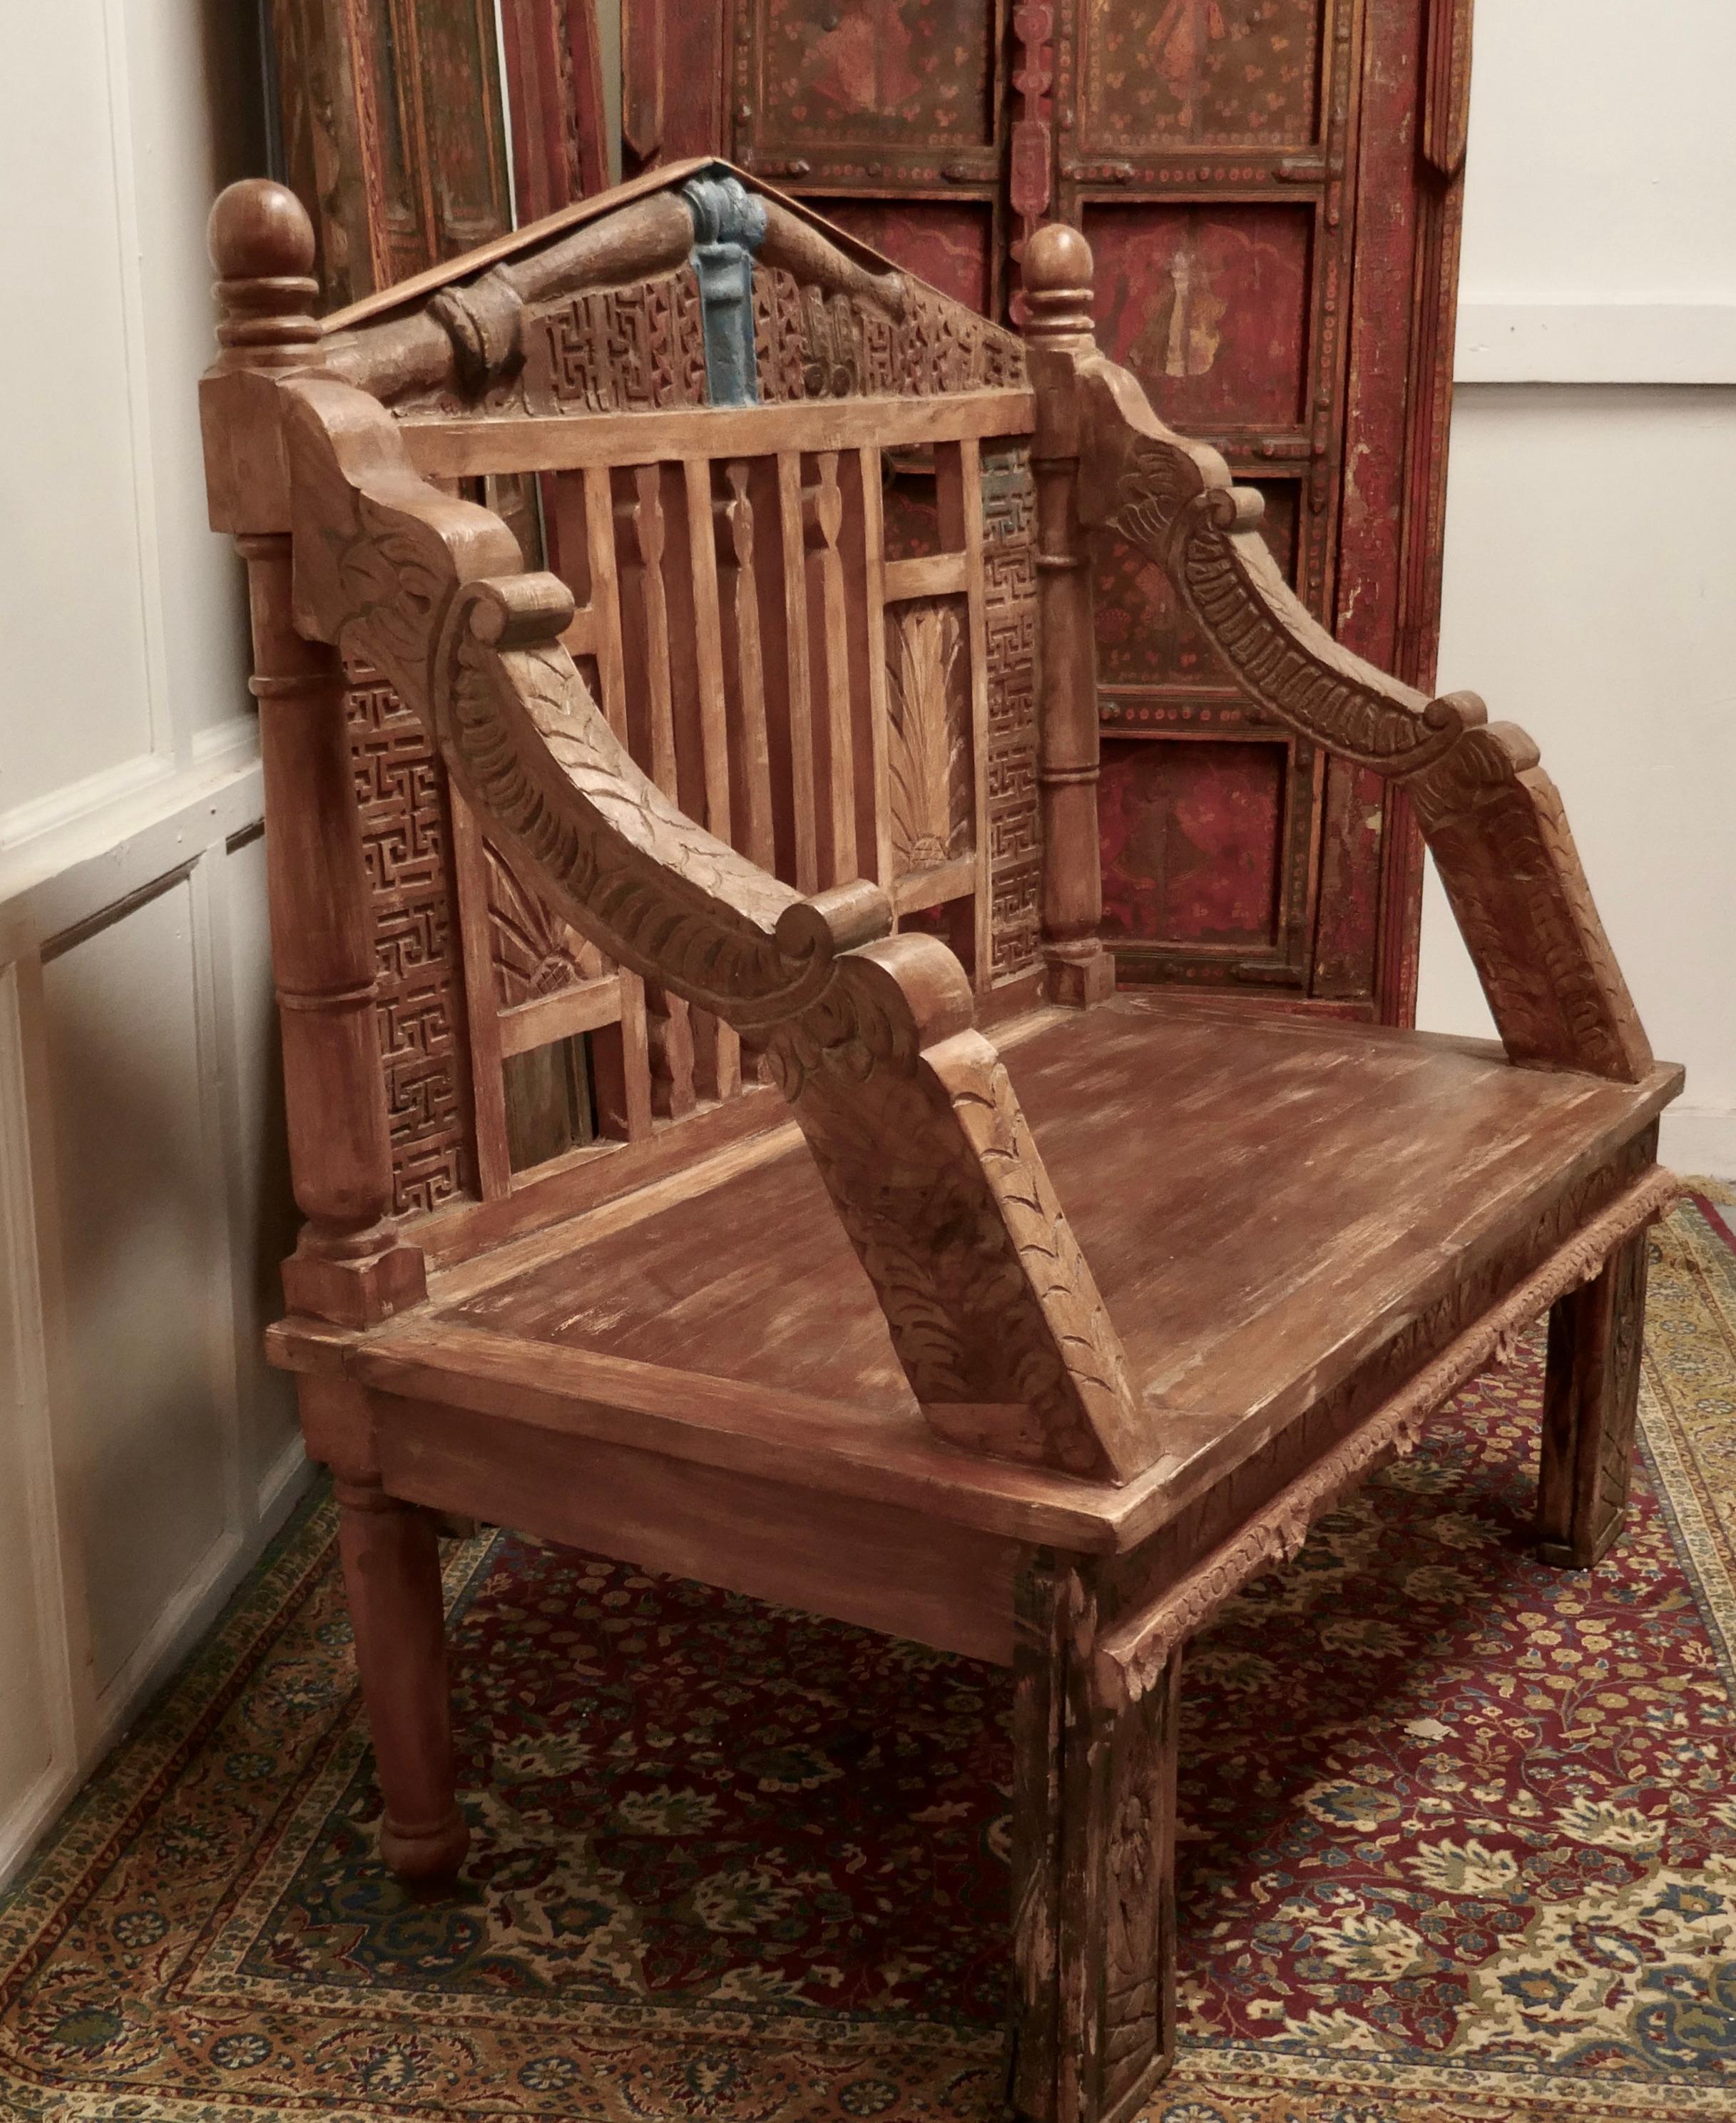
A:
x: 1262, y: 1203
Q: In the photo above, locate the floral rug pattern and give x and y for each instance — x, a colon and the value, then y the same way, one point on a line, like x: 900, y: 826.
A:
x: 1457, y: 1842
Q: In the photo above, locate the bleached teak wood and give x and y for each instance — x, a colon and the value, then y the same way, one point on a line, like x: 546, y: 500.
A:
x: 1036, y: 1346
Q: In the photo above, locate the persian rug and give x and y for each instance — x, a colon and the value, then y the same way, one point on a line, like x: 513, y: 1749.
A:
x: 1458, y: 1842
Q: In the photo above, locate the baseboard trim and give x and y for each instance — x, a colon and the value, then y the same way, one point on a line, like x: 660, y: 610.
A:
x: 285, y: 1484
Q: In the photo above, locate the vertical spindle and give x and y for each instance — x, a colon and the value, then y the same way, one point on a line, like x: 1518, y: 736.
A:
x: 1057, y: 290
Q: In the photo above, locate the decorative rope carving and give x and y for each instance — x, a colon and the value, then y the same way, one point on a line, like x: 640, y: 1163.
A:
x: 1131, y: 1658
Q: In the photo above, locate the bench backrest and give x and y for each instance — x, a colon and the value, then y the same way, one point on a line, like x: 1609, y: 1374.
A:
x: 789, y: 489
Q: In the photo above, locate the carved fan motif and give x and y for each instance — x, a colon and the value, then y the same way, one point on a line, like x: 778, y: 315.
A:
x: 534, y: 951
x: 928, y: 757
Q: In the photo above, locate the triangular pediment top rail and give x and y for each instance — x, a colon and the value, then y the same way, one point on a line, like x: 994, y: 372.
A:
x: 708, y: 288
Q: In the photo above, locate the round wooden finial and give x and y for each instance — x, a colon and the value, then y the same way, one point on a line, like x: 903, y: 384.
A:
x: 259, y: 231
x: 262, y: 244
x: 1057, y: 273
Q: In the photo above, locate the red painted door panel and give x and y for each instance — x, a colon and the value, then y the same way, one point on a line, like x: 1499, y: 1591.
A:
x: 1271, y: 189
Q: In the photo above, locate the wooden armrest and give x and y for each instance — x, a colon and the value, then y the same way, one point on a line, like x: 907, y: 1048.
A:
x: 1493, y: 820
x: 908, y: 1110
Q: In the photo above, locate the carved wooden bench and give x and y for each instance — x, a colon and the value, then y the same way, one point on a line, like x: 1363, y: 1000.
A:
x: 674, y: 651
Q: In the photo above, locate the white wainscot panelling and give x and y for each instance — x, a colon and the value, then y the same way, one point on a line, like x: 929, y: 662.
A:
x: 262, y: 1213
x: 77, y: 534
x: 146, y: 1452
x: 36, y: 1742
x: 142, y: 1263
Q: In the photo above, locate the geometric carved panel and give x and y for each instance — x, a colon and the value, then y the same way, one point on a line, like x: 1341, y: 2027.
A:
x: 406, y: 846
x: 618, y: 350
x: 1009, y: 603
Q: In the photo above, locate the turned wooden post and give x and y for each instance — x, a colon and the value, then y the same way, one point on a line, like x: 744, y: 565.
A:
x: 397, y: 1609
x: 349, y: 1264
x: 1057, y: 288
x: 391, y: 1578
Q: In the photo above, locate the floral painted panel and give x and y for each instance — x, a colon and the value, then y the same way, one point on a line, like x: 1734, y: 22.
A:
x: 1192, y: 834
x: 1164, y: 73
x: 898, y: 74
x: 1208, y: 305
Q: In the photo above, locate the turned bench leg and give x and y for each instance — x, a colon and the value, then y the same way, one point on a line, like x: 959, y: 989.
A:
x: 1591, y: 1396
x: 1094, y: 1836
x: 391, y: 1573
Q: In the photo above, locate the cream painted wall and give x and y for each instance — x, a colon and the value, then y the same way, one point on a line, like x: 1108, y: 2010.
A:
x: 145, y: 1449
x: 1590, y: 591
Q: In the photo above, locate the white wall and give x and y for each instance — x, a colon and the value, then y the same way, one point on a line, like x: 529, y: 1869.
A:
x: 145, y: 1452
x: 1590, y: 588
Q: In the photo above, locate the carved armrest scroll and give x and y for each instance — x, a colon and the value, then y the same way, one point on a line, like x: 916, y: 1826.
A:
x: 1492, y: 818
x: 909, y: 1112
